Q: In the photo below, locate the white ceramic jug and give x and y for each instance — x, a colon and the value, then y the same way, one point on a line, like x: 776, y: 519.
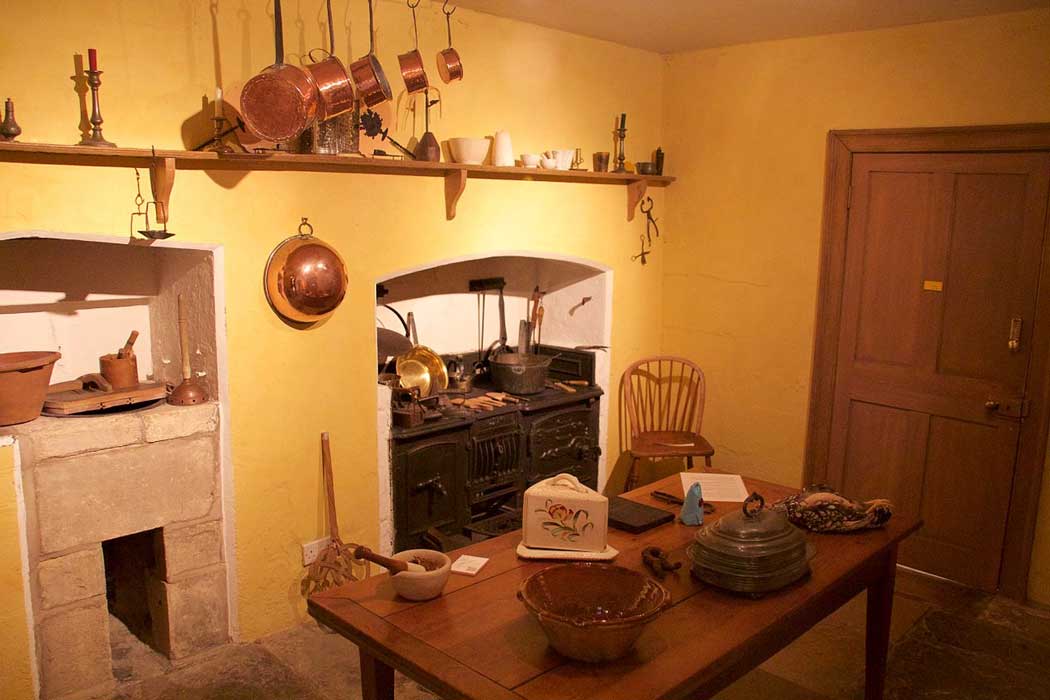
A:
x: 502, y: 151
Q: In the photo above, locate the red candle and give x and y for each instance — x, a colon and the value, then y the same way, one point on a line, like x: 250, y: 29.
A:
x: 93, y: 59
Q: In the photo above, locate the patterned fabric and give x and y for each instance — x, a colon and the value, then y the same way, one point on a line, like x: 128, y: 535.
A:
x: 819, y: 508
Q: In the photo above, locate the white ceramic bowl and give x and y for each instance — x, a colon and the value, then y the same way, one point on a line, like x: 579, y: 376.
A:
x: 467, y: 150
x: 548, y: 163
x: 422, y: 585
x: 530, y: 160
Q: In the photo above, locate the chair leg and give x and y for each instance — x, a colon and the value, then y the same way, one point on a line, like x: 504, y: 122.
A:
x: 689, y: 462
x: 707, y: 460
x: 632, y: 475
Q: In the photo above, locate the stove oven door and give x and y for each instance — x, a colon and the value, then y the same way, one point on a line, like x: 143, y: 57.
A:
x: 428, y: 486
x: 566, y: 441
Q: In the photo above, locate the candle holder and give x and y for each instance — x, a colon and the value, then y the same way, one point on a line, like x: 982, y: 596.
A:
x: 94, y: 81
x: 218, y: 141
x: 621, y: 136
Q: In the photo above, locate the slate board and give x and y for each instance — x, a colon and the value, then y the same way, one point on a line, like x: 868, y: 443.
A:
x: 636, y: 517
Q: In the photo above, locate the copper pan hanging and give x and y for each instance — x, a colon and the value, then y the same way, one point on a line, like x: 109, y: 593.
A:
x: 412, y: 71
x: 334, y: 88
x: 305, y: 278
x: 369, y: 80
x: 450, y: 67
x: 279, y: 103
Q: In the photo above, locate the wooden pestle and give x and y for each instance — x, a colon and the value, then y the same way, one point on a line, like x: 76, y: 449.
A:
x: 396, y: 566
x: 126, y: 351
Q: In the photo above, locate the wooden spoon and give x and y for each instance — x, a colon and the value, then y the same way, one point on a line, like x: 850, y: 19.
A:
x: 396, y: 566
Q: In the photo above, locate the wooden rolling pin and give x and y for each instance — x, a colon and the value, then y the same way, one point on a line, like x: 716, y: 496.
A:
x: 396, y: 566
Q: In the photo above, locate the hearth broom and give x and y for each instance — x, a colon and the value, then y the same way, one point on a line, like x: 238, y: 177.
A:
x: 335, y: 564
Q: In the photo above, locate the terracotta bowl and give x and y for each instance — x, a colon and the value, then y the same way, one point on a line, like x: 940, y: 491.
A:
x: 422, y: 585
x: 593, y: 612
x: 24, y: 377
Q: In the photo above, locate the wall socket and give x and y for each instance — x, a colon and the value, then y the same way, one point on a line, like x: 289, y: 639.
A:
x: 311, y: 550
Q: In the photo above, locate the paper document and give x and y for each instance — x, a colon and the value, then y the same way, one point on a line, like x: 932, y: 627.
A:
x: 716, y: 487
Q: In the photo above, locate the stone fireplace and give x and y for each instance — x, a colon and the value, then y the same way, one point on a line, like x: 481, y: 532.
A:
x: 451, y: 479
x: 125, y: 514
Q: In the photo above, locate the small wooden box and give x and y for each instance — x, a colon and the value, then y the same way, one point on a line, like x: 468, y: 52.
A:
x: 562, y: 513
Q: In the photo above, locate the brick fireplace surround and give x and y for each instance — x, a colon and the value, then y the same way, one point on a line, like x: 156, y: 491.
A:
x: 93, y: 479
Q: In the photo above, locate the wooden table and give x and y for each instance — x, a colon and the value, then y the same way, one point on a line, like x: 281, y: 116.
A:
x: 477, y: 640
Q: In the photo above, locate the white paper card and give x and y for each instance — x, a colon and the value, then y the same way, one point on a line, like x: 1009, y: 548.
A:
x: 468, y: 565
x: 716, y: 487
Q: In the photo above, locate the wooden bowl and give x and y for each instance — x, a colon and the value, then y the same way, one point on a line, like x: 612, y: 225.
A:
x: 593, y: 612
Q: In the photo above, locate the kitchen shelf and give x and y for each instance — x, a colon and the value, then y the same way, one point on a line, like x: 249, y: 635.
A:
x: 162, y: 165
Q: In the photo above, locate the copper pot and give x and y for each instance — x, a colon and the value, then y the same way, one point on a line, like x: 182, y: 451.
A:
x: 412, y: 71
x: 412, y: 62
x: 369, y: 80
x: 450, y: 67
x: 334, y: 88
x: 279, y: 103
x: 305, y: 278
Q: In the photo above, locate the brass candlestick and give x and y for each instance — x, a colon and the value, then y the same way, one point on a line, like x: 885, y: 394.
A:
x: 218, y: 143
x: 94, y: 80
x: 621, y: 136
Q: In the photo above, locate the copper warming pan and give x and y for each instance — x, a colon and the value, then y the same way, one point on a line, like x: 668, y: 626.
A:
x: 305, y: 278
x: 334, y: 88
x: 279, y: 103
x: 369, y: 79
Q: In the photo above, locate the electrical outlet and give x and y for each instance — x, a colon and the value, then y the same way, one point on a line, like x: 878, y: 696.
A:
x: 311, y: 550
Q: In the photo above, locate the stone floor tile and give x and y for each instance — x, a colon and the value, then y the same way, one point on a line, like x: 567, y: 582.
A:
x: 239, y: 672
x: 1020, y: 619
x: 761, y: 685
x: 995, y: 643
x: 829, y: 659
x: 919, y: 670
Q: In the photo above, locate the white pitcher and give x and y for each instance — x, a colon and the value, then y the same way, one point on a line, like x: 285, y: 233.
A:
x: 502, y: 151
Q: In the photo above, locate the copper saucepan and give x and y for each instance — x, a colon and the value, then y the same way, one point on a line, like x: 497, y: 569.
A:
x: 334, y: 88
x: 412, y: 62
x: 450, y: 67
x: 305, y: 278
x: 279, y: 103
x: 369, y: 79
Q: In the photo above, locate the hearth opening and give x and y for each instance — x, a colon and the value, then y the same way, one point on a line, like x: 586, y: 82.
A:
x: 462, y: 432
x: 131, y: 562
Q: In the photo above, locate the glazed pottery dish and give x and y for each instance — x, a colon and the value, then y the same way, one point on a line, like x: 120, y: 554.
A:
x: 530, y: 160
x: 469, y: 151
x: 422, y: 585
x: 592, y: 612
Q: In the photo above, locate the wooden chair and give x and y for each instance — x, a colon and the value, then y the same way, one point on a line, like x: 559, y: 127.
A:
x: 665, y: 406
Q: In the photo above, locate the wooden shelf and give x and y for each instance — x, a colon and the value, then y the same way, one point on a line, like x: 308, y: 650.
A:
x: 163, y: 164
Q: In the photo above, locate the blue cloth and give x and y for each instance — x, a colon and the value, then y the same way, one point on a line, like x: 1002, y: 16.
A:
x: 693, y: 508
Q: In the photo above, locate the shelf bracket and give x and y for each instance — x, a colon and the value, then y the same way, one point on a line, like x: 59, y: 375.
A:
x: 455, y: 183
x: 161, y: 180
x: 635, y: 193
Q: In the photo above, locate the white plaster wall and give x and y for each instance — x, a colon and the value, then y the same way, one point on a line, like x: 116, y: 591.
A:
x: 448, y: 323
x: 80, y: 330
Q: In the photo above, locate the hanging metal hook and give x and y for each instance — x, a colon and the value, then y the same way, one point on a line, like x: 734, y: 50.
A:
x: 650, y: 222
x: 415, y: 27
x: 447, y: 13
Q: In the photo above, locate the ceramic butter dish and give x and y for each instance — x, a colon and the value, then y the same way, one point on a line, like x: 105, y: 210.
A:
x: 562, y: 513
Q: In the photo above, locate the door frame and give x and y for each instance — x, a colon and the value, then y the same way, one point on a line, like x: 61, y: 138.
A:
x: 1031, y: 453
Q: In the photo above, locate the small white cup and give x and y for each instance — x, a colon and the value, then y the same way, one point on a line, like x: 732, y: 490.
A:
x: 530, y: 160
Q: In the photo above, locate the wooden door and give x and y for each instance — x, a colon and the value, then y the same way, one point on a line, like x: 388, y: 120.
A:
x: 938, y: 303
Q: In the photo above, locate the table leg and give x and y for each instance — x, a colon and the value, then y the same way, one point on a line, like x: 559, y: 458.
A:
x: 877, y: 637
x: 377, y: 679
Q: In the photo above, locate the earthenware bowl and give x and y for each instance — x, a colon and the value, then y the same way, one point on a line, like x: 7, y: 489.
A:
x: 422, y: 585
x: 469, y: 151
x: 593, y: 612
x: 645, y: 168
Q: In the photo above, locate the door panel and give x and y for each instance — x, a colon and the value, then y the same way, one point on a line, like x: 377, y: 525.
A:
x: 942, y: 251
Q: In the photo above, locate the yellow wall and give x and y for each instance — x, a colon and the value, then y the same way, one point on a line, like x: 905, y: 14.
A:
x: 745, y: 128
x: 15, y: 674
x: 548, y: 89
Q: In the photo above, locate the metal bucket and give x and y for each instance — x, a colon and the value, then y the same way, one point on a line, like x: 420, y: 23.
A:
x: 515, y: 373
